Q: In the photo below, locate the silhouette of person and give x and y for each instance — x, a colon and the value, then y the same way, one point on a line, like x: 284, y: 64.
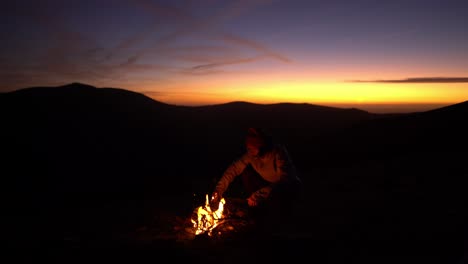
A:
x: 268, y: 176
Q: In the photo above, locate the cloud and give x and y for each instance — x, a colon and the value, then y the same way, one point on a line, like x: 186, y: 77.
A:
x: 218, y: 64
x: 72, y: 55
x: 418, y: 80
x: 202, y: 72
x: 256, y: 46
x: 188, y: 24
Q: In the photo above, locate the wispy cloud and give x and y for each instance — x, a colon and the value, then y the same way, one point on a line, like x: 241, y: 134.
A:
x: 209, y: 27
x: 78, y: 56
x: 218, y: 64
x: 202, y: 72
x: 256, y: 46
x: 418, y: 80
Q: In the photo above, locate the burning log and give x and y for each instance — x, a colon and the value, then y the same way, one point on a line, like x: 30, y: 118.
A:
x: 206, y: 219
x: 230, y: 217
x: 229, y: 222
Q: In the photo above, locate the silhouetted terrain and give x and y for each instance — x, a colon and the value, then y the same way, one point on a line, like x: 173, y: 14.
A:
x: 87, y: 163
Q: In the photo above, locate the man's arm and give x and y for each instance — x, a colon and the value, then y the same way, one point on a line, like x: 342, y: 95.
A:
x: 231, y: 173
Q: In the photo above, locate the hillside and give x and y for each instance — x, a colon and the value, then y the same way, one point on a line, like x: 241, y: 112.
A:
x: 112, y: 133
x: 90, y: 163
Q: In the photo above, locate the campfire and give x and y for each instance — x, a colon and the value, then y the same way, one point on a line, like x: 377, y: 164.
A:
x: 205, y: 220
x: 230, y: 221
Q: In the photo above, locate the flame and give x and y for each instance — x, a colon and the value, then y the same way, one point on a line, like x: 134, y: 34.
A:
x: 206, y: 220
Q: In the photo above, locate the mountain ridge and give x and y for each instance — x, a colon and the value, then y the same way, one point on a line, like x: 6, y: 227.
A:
x: 81, y: 87
x: 105, y: 119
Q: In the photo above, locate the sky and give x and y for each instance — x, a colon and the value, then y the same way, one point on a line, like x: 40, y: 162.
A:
x: 380, y: 56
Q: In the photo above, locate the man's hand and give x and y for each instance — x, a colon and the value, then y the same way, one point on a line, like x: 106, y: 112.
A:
x: 214, y: 201
x: 252, y: 201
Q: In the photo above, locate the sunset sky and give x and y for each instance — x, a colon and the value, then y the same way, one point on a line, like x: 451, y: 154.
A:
x: 374, y: 55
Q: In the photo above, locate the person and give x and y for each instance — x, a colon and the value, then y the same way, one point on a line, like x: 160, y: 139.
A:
x: 268, y: 175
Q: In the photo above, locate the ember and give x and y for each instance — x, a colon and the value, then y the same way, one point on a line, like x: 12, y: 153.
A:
x: 205, y: 220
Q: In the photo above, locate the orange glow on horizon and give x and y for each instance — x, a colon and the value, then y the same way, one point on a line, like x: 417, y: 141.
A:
x: 326, y: 93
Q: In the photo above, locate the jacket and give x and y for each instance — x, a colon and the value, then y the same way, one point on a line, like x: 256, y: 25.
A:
x: 275, y: 166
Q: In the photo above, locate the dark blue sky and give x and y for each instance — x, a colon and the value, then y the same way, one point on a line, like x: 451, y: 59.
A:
x: 195, y: 52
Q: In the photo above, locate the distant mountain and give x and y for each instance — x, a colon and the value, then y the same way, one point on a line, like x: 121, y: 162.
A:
x: 442, y: 129
x: 83, y: 137
x: 75, y: 92
x: 78, y: 134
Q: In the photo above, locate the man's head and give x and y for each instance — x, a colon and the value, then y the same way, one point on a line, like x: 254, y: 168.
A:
x: 257, y: 141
